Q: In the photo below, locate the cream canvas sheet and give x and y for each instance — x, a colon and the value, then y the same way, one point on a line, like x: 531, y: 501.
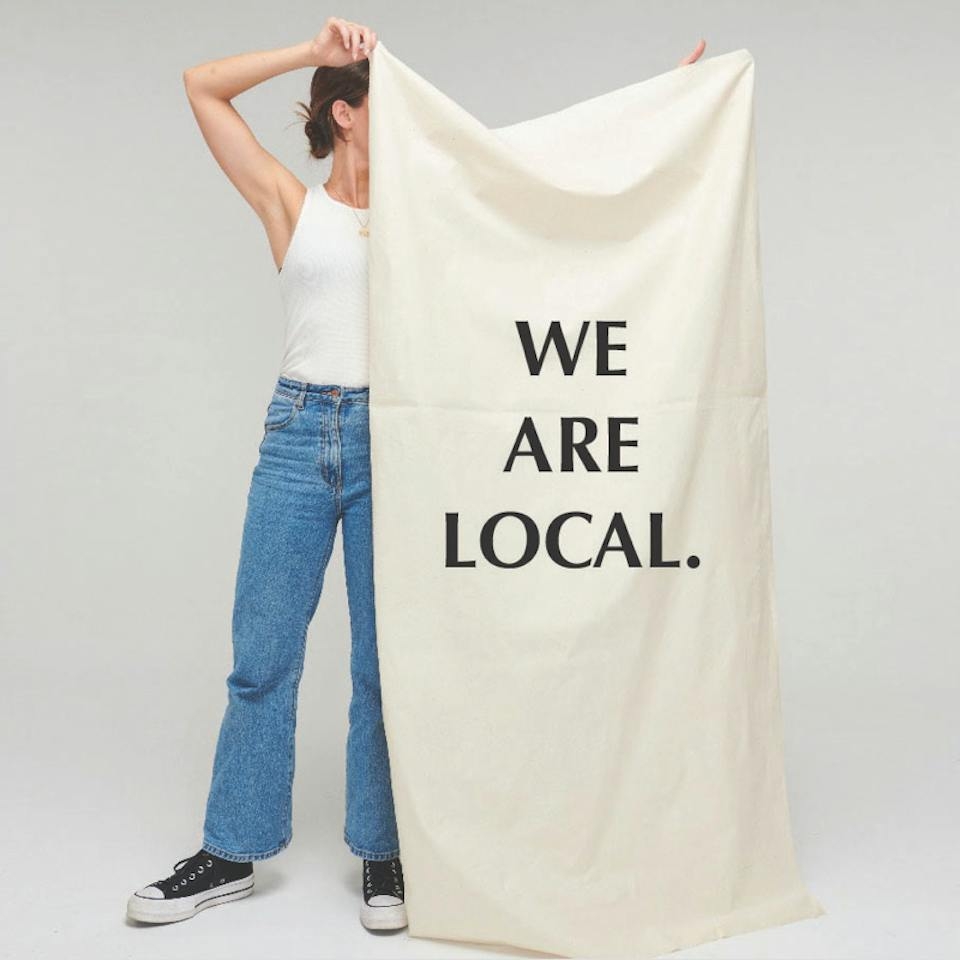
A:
x: 572, y: 533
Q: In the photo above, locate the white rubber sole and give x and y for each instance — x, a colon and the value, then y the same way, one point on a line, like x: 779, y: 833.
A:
x: 383, y: 918
x: 148, y: 910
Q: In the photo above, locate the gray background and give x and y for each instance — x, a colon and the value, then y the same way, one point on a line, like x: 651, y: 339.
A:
x: 141, y: 333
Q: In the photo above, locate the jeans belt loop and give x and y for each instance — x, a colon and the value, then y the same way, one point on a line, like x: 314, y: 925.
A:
x: 300, y: 397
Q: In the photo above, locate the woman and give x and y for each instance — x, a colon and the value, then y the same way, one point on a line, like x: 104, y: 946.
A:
x: 313, y: 471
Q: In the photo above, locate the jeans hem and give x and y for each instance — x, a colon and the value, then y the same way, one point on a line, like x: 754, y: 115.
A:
x: 244, y: 857
x: 369, y: 854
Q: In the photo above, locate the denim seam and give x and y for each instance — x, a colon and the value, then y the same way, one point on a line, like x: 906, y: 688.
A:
x: 317, y: 587
x: 338, y: 480
x: 322, y: 453
x: 294, y: 695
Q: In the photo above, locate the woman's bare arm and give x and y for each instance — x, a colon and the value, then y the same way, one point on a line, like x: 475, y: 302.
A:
x: 252, y: 169
x: 273, y: 191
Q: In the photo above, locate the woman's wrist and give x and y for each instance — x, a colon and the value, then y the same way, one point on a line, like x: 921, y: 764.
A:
x: 317, y: 53
x: 306, y: 54
x: 294, y: 57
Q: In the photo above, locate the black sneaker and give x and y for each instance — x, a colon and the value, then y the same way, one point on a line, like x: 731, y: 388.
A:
x: 203, y: 880
x: 383, y: 907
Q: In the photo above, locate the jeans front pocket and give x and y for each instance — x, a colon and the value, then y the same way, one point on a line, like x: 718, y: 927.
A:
x: 281, y: 411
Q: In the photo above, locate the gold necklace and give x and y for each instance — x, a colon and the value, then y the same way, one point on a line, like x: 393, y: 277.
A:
x: 364, y: 230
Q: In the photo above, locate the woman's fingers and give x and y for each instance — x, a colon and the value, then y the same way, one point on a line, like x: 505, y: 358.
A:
x: 341, y: 28
x: 356, y: 38
x: 695, y: 56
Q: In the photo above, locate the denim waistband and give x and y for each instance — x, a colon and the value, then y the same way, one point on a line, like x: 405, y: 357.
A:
x: 333, y: 390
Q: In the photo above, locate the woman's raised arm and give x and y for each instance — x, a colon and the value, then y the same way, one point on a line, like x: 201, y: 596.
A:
x: 266, y: 184
x: 210, y: 87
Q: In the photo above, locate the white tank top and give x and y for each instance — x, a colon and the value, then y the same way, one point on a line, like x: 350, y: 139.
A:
x: 323, y: 286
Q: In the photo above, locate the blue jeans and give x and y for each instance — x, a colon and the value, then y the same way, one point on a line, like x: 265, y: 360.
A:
x: 313, y: 470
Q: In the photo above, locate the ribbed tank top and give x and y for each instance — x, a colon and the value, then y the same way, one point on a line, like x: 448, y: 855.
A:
x: 323, y: 286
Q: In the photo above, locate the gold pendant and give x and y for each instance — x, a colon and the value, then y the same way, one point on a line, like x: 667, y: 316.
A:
x: 364, y: 232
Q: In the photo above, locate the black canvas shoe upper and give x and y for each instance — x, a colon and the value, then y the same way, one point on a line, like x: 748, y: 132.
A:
x: 203, y: 871
x: 382, y: 878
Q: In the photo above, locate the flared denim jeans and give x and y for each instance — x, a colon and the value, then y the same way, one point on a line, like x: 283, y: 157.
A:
x: 313, y: 472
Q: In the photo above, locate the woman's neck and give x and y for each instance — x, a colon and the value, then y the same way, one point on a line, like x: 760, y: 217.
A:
x: 350, y: 178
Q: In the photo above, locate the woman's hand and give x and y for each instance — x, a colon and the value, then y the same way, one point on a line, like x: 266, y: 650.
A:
x: 695, y: 56
x: 341, y: 42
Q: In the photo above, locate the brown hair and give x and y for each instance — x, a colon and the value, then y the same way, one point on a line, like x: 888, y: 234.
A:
x: 350, y: 83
